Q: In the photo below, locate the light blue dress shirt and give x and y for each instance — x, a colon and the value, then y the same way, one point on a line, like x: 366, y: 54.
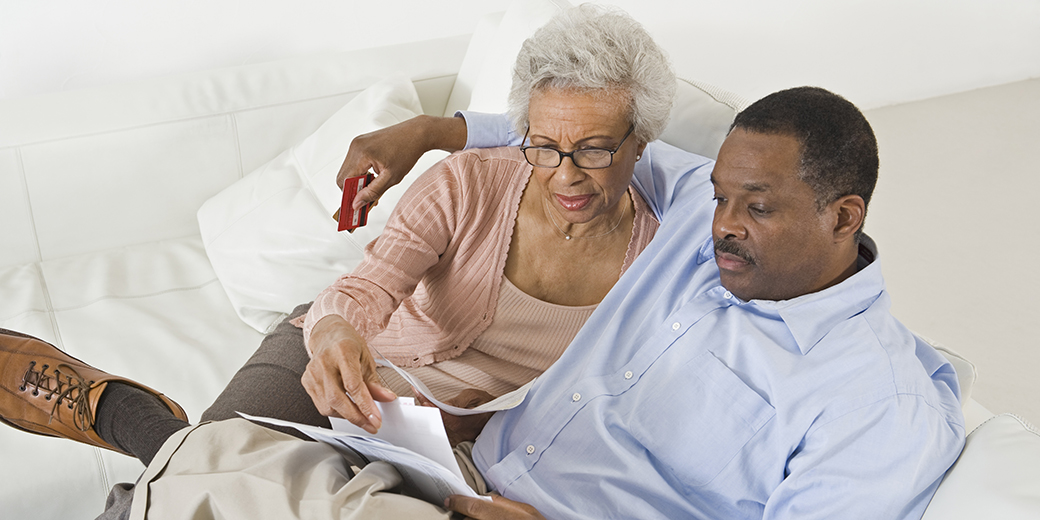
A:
x: 679, y: 400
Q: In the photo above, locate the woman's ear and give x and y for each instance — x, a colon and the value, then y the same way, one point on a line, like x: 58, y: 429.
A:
x: 850, y: 211
x: 639, y: 150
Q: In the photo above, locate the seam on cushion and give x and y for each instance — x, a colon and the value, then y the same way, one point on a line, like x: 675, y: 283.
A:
x: 23, y: 313
x: 28, y: 202
x: 177, y: 120
x: 38, y: 264
x: 137, y: 296
x: 233, y: 122
x: 1021, y: 420
x: 58, y: 342
x: 1025, y: 423
x: 102, y: 470
x: 729, y: 99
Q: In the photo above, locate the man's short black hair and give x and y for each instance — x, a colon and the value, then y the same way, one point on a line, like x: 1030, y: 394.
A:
x: 839, y: 151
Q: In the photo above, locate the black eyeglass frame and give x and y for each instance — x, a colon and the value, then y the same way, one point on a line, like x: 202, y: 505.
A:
x: 560, y: 155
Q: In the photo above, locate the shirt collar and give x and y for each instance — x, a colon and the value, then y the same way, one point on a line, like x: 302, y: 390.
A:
x: 810, y: 317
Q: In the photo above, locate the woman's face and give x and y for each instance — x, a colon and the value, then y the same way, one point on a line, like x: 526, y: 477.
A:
x: 569, y: 120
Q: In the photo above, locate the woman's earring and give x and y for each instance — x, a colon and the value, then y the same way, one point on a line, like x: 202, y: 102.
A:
x: 638, y: 157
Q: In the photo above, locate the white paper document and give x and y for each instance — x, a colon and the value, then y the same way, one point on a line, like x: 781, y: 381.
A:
x: 502, y: 402
x: 416, y: 428
x: 412, y: 439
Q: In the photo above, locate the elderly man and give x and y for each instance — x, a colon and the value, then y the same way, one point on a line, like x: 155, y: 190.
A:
x: 746, y: 365
x: 750, y: 369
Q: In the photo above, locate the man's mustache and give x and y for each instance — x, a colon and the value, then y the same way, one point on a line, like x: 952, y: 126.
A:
x: 726, y: 246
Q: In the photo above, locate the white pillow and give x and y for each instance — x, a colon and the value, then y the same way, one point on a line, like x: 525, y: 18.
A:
x: 271, y: 237
x: 521, y: 19
x: 996, y: 476
x: 700, y: 117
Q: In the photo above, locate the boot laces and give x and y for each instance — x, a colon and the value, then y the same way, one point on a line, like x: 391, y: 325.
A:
x: 67, y: 386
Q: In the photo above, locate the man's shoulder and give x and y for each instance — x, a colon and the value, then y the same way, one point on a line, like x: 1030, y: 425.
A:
x: 890, y: 366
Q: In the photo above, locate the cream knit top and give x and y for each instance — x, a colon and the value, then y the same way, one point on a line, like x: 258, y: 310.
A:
x: 525, y: 338
x: 430, y: 285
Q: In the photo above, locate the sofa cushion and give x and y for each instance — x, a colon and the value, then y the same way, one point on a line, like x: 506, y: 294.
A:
x: 995, y: 476
x: 701, y: 117
x: 152, y: 312
x: 270, y: 236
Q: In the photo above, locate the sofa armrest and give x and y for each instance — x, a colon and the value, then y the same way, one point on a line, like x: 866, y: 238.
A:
x: 996, y: 476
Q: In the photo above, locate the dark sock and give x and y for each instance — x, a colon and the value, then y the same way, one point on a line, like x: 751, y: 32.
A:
x: 134, y: 420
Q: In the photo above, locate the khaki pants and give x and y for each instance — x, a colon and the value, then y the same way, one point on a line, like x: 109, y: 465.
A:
x: 235, y: 469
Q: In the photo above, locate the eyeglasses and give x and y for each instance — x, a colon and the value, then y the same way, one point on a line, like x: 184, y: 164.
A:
x: 588, y: 158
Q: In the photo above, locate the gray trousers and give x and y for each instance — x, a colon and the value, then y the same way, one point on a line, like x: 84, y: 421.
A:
x: 267, y: 385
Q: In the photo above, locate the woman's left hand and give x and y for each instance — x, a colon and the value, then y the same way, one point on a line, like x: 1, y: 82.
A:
x: 498, y: 509
x: 462, y: 428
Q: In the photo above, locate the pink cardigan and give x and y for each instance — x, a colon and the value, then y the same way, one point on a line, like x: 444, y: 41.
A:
x: 428, y: 286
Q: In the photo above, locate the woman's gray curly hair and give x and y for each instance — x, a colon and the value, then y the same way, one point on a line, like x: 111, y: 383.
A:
x: 590, y: 48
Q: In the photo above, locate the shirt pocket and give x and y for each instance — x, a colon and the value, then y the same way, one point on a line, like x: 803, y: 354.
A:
x: 697, y: 418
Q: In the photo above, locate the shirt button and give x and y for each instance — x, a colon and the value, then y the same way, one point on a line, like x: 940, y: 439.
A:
x: 676, y: 325
x: 628, y: 375
x: 530, y: 449
x: 576, y: 397
x: 727, y: 295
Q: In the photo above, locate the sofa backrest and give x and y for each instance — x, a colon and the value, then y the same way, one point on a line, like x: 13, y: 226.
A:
x: 74, y: 165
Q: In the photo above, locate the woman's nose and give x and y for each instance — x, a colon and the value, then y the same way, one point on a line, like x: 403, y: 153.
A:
x: 567, y: 173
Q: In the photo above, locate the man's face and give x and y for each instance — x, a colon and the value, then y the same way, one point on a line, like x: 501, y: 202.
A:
x: 771, y: 243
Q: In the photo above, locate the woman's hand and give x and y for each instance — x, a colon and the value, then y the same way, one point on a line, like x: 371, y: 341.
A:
x: 392, y: 152
x: 498, y: 509
x: 341, y: 376
x: 467, y: 427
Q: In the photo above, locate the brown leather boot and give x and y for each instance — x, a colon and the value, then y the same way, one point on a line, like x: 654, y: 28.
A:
x: 47, y: 392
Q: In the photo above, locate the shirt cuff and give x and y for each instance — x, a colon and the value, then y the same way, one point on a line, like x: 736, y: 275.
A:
x: 488, y: 130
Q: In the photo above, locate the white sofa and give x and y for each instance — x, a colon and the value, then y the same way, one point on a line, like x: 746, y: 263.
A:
x: 157, y: 229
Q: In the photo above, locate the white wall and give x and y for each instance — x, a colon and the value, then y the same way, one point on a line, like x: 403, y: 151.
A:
x: 953, y: 219
x: 876, y: 53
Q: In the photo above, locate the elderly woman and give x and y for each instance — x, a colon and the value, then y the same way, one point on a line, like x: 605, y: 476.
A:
x: 494, y: 258
x: 484, y: 273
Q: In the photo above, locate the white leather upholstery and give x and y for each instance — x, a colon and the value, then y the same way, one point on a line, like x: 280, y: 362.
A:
x: 997, y: 475
x: 102, y: 256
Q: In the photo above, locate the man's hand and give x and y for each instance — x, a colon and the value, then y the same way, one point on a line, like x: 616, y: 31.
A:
x: 392, y: 152
x: 467, y: 427
x: 341, y: 378
x: 498, y: 509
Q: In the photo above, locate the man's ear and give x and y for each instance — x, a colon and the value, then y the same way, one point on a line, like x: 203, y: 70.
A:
x: 850, y: 211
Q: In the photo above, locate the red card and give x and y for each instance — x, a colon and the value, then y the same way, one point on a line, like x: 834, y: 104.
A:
x: 350, y: 218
